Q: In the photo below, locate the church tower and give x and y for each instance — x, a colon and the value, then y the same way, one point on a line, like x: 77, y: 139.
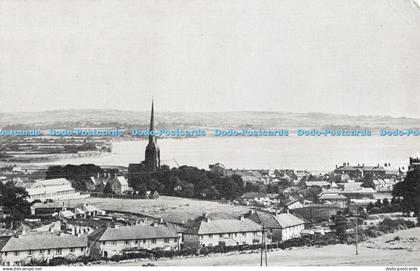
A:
x: 152, y: 157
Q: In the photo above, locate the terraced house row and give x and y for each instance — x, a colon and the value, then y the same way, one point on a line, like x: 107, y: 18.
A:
x: 117, y: 240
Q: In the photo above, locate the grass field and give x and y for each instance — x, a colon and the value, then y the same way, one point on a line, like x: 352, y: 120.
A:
x: 171, y: 209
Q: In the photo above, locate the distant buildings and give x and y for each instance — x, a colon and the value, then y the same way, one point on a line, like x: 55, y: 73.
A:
x: 261, y: 199
x: 119, y: 185
x: 41, y: 246
x: 414, y: 163
x: 359, y: 171
x: 335, y: 199
x: 110, y: 241
x: 218, y: 169
x: 51, y: 189
x: 322, y: 184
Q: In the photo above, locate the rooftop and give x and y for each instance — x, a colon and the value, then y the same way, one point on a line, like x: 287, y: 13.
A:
x: 43, y: 240
x: 140, y: 231
x: 224, y: 226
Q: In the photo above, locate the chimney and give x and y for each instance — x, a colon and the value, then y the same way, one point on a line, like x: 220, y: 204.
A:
x: 241, y: 218
x: 252, y: 211
x: 205, y: 215
x: 161, y: 220
x: 155, y: 224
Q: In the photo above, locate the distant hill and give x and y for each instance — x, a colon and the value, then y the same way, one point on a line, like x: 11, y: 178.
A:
x: 237, y: 119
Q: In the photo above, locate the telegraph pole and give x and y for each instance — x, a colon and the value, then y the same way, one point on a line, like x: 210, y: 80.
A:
x: 357, y: 238
x: 262, y: 246
x: 265, y: 248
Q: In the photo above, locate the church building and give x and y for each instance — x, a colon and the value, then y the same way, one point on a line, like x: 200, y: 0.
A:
x: 151, y: 162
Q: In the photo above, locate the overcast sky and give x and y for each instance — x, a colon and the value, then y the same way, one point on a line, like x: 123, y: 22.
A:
x: 353, y: 57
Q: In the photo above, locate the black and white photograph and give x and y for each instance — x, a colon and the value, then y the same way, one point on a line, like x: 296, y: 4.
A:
x: 212, y: 133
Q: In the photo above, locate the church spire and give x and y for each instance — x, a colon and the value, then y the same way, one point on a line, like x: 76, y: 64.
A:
x: 152, y: 138
x: 152, y: 157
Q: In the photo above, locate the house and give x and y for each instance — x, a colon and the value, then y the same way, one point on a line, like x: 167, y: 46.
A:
x: 87, y: 210
x: 119, y: 185
x: 255, y: 197
x: 218, y: 169
x: 204, y: 232
x: 51, y: 189
x: 336, y: 199
x: 384, y: 185
x: 52, y: 227
x: 294, y: 204
x: 91, y: 184
x: 274, y: 198
x: 110, y: 241
x: 360, y: 171
x: 322, y: 184
x: 67, y: 214
x: 280, y: 227
x: 414, y: 163
x: 250, y: 179
x: 41, y: 246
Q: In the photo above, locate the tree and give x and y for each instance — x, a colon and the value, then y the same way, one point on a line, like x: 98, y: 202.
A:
x: 378, y: 204
x: 108, y: 188
x: 211, y: 193
x: 370, y: 206
x: 184, y: 189
x: 142, y: 189
x: 409, y: 191
x: 341, y: 225
x: 228, y: 188
x: 368, y: 180
x: 14, y: 202
x: 154, y: 185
